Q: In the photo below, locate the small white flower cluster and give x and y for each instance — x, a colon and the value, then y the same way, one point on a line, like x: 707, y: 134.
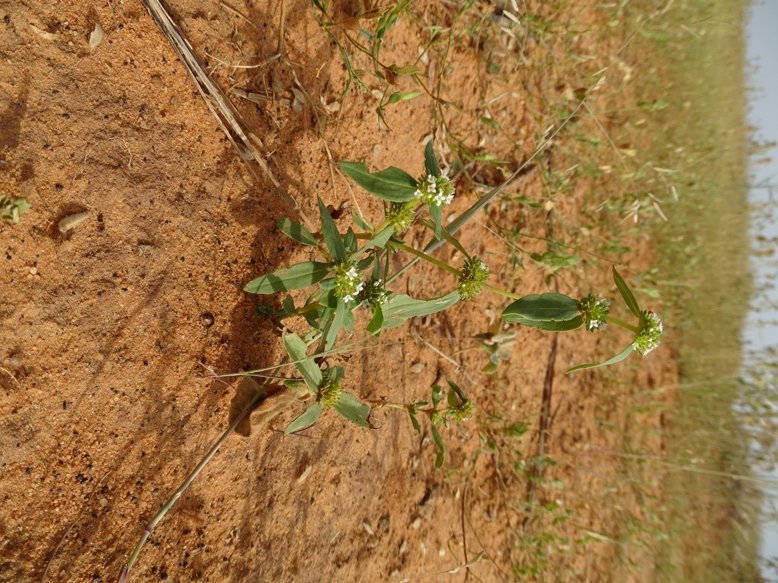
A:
x: 348, y: 283
x: 650, y: 334
x: 594, y: 310
x: 435, y: 190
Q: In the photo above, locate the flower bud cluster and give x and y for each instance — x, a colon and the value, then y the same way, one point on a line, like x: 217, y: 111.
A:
x: 435, y: 190
x: 374, y: 293
x: 400, y: 215
x: 348, y: 283
x: 463, y: 411
x: 329, y: 393
x: 593, y: 311
x: 474, y: 273
x: 650, y: 332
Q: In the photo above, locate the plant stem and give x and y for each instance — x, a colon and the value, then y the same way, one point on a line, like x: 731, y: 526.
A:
x: 618, y: 322
x: 445, y: 266
x: 124, y: 576
x: 422, y: 255
x: 504, y: 293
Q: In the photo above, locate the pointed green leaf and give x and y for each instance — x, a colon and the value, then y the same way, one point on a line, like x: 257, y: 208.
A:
x: 295, y: 277
x: 399, y: 307
x: 457, y: 389
x: 331, y: 235
x: 297, y: 350
x: 391, y: 184
x: 549, y: 311
x: 377, y: 321
x: 415, y: 422
x: 398, y: 96
x: 441, y: 447
x: 437, y: 395
x: 305, y: 420
x: 296, y: 231
x: 618, y: 358
x: 436, y: 213
x: 331, y: 332
x: 360, y: 221
x: 350, y: 241
x: 379, y: 240
x: 626, y: 293
x: 352, y: 409
x: 430, y: 162
x: 288, y: 305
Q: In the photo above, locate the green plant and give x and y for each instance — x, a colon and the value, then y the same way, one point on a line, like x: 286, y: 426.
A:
x: 349, y: 277
x: 12, y: 208
x: 353, y: 271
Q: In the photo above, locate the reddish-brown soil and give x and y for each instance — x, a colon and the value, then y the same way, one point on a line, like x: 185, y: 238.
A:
x: 109, y: 332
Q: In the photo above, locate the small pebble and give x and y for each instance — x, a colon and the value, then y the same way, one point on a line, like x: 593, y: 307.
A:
x: 95, y: 37
x: 417, y: 367
x: 33, y: 270
x: 383, y: 523
x: 104, y: 502
x: 368, y: 529
x: 416, y: 523
x: 207, y: 320
x: 71, y: 221
x: 307, y: 471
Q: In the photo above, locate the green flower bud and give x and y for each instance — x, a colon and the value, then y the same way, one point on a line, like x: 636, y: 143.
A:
x: 463, y: 411
x: 435, y: 190
x: 593, y: 311
x: 400, y: 215
x: 374, y: 293
x: 348, y: 283
x: 474, y: 273
x: 650, y: 332
x: 437, y: 419
x: 329, y: 393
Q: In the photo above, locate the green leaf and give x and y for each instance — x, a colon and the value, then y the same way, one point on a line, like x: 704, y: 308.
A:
x: 626, y: 293
x: 377, y: 321
x: 414, y: 422
x: 441, y: 447
x: 360, y: 221
x: 399, y: 307
x: 331, y: 235
x: 288, y: 305
x: 555, y: 326
x: 549, y: 311
x: 436, y: 213
x: 391, y: 184
x: 350, y: 241
x: 457, y: 389
x: 305, y: 420
x: 297, y: 350
x: 331, y: 332
x: 618, y: 358
x: 352, y: 409
x: 295, y: 277
x: 555, y: 261
x: 379, y: 240
x: 398, y: 96
x: 437, y: 395
x: 430, y: 162
x: 296, y: 231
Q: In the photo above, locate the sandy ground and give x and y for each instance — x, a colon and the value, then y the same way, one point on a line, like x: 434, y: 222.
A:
x: 108, y: 332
